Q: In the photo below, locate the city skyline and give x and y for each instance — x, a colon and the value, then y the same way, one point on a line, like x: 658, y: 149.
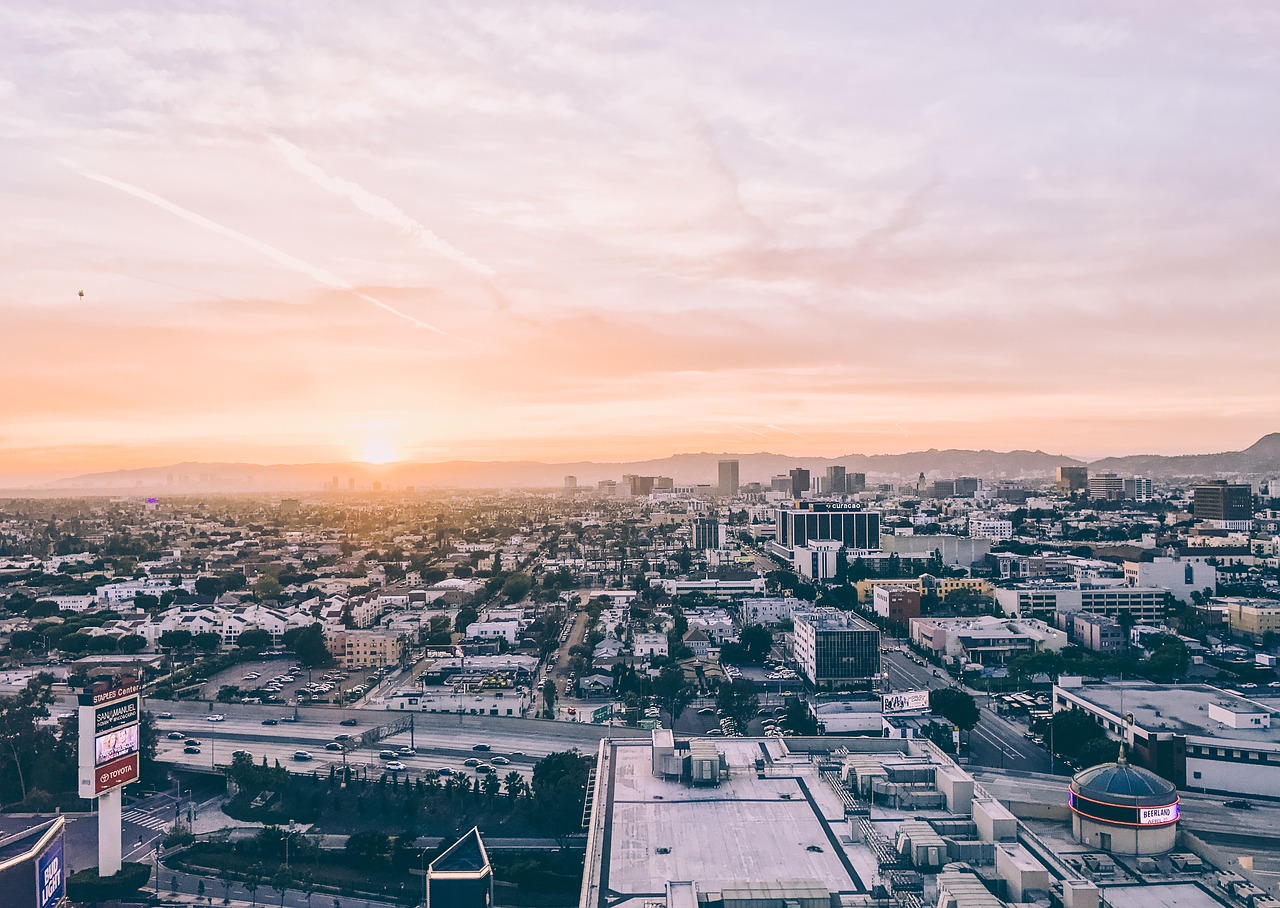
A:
x: 552, y: 232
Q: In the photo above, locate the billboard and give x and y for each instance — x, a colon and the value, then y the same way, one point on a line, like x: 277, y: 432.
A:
x: 111, y: 775
x: 1157, y: 816
x: 115, y: 744
x: 904, y: 701
x: 108, y: 756
x: 51, y: 882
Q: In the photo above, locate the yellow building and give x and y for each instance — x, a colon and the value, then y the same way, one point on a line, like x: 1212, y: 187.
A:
x: 940, y: 585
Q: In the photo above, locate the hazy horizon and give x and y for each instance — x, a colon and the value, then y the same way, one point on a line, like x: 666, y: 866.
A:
x: 560, y: 232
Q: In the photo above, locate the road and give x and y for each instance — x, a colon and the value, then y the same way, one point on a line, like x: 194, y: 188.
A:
x: 441, y: 739
x: 994, y: 741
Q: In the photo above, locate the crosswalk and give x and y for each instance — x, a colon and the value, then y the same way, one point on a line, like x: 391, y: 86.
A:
x: 142, y: 818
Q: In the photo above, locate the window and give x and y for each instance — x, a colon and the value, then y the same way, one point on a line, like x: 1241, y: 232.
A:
x: 1196, y: 774
x: 1104, y: 841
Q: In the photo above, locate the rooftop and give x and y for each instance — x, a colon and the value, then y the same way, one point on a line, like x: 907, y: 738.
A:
x: 1155, y: 710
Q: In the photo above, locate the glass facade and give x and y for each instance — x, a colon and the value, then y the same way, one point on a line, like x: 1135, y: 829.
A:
x: 853, y: 529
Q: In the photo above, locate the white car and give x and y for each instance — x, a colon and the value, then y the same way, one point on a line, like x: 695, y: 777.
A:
x: 216, y: 717
x: 396, y: 766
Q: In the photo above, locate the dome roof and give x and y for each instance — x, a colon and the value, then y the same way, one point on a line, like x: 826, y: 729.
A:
x: 1124, y: 784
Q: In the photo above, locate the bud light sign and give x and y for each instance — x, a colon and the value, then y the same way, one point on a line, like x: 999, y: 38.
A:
x: 50, y: 878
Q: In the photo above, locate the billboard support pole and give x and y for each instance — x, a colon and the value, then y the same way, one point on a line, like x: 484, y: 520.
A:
x: 109, y: 820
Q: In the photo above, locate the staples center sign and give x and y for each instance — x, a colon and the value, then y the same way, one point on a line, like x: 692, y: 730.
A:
x: 109, y: 757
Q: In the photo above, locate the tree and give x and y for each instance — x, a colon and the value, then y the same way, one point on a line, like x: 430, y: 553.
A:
x: 559, y: 791
x: 466, y: 617
x: 516, y: 587
x: 673, y: 691
x: 209, y: 586
x: 549, y: 696
x: 253, y: 879
x: 207, y: 641
x: 491, y: 786
x: 267, y: 587
x: 280, y: 882
x: 132, y: 643
x: 309, y: 646
x: 956, y: 706
x: 738, y: 700
x: 24, y: 744
x: 1072, y: 730
x: 513, y: 783
x: 254, y: 638
x: 757, y: 641
x: 175, y: 640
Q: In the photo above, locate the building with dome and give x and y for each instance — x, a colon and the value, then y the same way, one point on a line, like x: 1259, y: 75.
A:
x: 1124, y: 809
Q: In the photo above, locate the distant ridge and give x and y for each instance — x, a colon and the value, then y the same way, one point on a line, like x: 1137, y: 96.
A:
x: 1261, y: 458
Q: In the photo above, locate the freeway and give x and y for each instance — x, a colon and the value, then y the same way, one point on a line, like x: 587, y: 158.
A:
x: 441, y: 739
x: 994, y: 741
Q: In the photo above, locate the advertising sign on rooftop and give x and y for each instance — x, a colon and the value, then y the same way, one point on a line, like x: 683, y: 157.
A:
x: 904, y: 701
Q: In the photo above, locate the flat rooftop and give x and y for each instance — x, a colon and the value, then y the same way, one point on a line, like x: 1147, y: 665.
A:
x: 1183, y: 708
x: 745, y: 831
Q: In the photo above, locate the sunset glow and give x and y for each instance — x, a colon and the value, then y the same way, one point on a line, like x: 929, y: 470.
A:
x: 554, y: 232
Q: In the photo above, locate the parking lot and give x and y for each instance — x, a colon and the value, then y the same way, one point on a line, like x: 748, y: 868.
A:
x: 279, y: 681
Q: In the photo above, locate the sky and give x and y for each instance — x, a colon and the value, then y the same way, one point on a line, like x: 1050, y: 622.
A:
x: 559, y: 231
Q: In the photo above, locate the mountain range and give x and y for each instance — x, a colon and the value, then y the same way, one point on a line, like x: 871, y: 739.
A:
x: 1261, y: 458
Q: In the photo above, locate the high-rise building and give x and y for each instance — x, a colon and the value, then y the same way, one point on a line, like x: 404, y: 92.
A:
x: 728, y: 485
x: 1221, y: 500
x: 820, y: 521
x: 799, y: 482
x: 833, y: 648
x: 1138, y: 488
x: 837, y: 480
x: 967, y: 486
x: 571, y: 482
x: 1106, y: 487
x: 1073, y: 479
x: 856, y: 482
x: 706, y: 533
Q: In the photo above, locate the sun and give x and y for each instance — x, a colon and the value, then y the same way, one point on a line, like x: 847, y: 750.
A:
x: 378, y: 450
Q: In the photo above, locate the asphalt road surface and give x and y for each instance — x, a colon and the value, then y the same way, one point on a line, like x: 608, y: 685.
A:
x: 994, y: 741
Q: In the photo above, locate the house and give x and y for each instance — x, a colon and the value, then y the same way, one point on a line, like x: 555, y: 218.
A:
x: 648, y: 646
x: 698, y: 642
x: 596, y: 685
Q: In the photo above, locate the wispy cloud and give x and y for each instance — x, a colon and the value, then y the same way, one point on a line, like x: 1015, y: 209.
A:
x: 284, y: 259
x: 377, y: 207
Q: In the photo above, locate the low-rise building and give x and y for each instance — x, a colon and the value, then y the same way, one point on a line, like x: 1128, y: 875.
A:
x: 649, y: 646
x: 1096, y: 632
x: 985, y: 639
x: 897, y: 604
x: 1045, y: 600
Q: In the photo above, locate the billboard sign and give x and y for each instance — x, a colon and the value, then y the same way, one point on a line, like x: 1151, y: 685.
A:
x: 51, y: 882
x: 1157, y: 816
x: 115, y: 744
x: 115, y: 715
x: 113, y: 775
x: 104, y: 692
x: 601, y: 714
x: 904, y: 701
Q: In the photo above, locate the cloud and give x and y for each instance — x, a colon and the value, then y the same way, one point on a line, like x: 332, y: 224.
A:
x: 377, y: 207
x: 284, y: 259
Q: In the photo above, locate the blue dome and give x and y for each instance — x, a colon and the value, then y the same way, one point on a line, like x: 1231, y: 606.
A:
x: 1123, y: 784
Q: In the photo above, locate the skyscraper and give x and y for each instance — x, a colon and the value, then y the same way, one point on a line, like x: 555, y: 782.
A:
x: 1218, y: 499
x: 728, y: 478
x: 855, y: 482
x: 799, y: 482
x: 837, y: 480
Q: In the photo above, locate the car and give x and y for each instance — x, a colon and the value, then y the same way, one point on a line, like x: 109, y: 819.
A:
x: 500, y: 761
x: 301, y: 756
x: 175, y: 736
x: 1238, y: 804
x: 342, y: 737
x: 288, y: 718
x: 471, y: 761
x: 444, y: 771
x: 190, y: 750
x: 386, y: 755
x: 241, y: 753
x: 518, y: 753
x: 407, y: 752
x: 707, y: 711
x: 1274, y: 684
x: 268, y: 721
x: 396, y: 766
x: 333, y: 745
x: 192, y: 742
x: 216, y: 717
x: 170, y: 715
x: 484, y: 769
x: 1249, y: 685
x: 481, y: 747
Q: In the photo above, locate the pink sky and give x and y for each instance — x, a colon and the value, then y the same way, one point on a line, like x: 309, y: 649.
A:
x: 563, y: 231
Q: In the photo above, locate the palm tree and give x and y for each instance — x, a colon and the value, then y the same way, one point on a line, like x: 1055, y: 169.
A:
x: 514, y: 784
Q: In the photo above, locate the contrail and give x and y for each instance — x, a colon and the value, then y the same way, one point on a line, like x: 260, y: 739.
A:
x: 284, y: 259
x: 377, y: 207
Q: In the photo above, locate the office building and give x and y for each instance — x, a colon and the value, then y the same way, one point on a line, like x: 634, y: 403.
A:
x: 1138, y: 489
x: 706, y: 533
x: 461, y: 877
x: 855, y: 482
x: 837, y: 481
x: 855, y: 529
x: 1106, y: 487
x: 1045, y: 600
x: 943, y: 488
x: 896, y: 603
x: 985, y: 639
x: 1223, y: 501
x: 1196, y: 736
x: 967, y: 486
x: 780, y: 483
x: 835, y: 648
x: 992, y: 528
x: 1252, y: 617
x: 728, y: 476
x: 1073, y: 479
x: 799, y: 482
x: 1099, y: 633
x: 571, y: 482
x: 1179, y: 577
